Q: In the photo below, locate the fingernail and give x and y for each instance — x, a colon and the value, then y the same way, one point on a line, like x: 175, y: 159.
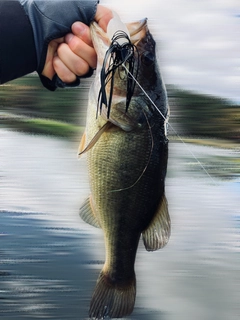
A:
x: 69, y: 37
x: 79, y: 28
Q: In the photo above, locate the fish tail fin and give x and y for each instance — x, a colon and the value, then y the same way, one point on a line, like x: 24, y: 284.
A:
x: 111, y: 299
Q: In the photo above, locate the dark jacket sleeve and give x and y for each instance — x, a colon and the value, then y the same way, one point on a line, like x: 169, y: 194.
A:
x: 17, y: 48
x: 27, y: 27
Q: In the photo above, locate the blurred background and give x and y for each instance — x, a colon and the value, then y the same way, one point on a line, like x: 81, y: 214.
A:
x: 50, y: 259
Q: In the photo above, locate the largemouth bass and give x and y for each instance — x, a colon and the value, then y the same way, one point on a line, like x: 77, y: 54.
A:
x: 127, y: 152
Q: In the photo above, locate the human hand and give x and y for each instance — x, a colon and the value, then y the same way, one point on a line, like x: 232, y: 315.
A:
x: 74, y: 55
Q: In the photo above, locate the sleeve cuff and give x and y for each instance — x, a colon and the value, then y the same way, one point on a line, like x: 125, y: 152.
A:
x: 56, y: 82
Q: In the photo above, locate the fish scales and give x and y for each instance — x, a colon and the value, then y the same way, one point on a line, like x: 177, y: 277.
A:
x: 127, y: 167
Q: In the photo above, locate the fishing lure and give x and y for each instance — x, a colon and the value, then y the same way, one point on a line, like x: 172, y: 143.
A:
x: 119, y: 53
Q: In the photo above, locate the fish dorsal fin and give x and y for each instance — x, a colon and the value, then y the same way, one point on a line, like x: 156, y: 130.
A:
x: 82, y: 150
x: 157, y: 234
x: 87, y: 214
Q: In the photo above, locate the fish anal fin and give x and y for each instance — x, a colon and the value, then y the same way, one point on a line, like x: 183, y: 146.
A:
x: 111, y: 299
x: 86, y: 212
x: 157, y: 234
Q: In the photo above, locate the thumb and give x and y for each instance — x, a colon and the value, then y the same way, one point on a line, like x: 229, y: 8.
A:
x: 103, y: 16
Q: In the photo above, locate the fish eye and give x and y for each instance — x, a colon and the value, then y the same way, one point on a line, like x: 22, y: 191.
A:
x: 147, y: 58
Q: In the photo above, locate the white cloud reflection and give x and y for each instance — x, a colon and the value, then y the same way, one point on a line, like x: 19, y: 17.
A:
x: 198, y: 41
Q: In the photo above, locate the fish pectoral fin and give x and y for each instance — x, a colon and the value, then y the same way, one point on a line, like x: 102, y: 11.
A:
x: 157, y: 234
x: 94, y: 140
x: 87, y: 214
x: 82, y: 144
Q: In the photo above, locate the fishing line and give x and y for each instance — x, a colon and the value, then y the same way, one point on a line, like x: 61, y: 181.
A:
x: 159, y: 111
x: 146, y: 166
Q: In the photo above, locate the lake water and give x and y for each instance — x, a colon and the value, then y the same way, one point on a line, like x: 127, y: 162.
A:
x: 50, y: 259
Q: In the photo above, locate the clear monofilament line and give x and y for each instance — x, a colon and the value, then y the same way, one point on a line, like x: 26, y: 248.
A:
x: 159, y: 111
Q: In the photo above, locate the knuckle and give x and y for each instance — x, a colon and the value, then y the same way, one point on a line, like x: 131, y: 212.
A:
x: 61, y: 48
x: 75, y: 44
x: 82, y: 68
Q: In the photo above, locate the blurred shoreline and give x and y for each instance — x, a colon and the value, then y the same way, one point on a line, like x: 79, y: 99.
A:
x: 26, y: 106
x: 25, y: 124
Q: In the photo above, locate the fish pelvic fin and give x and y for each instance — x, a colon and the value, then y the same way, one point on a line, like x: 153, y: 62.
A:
x: 111, y: 299
x: 157, y: 234
x: 87, y: 214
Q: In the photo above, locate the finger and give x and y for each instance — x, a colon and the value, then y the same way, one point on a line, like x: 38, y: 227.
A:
x: 62, y: 71
x: 82, y: 31
x: 81, y: 49
x: 103, y: 16
x: 73, y: 62
x: 48, y: 70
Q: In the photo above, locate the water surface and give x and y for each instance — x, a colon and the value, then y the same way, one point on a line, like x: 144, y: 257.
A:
x: 50, y: 259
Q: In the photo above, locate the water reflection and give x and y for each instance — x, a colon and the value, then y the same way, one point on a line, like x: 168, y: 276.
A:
x: 50, y: 259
